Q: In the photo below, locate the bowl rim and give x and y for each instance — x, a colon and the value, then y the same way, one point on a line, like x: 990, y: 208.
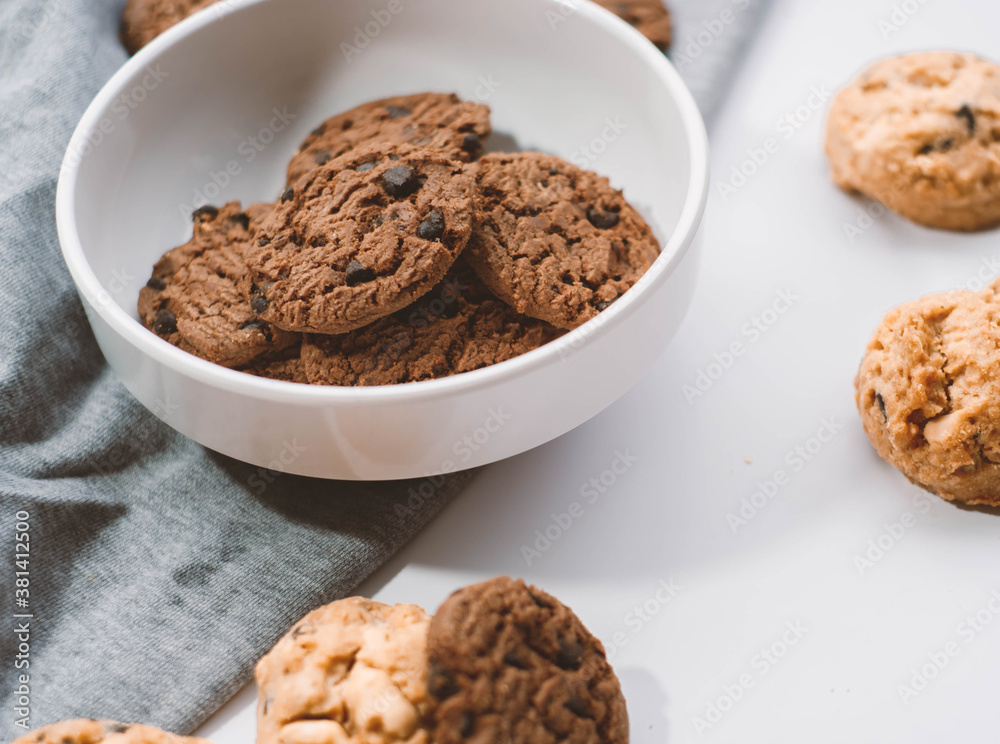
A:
x: 117, y: 318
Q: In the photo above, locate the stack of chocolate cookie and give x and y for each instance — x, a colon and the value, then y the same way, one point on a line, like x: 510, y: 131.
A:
x: 398, y: 253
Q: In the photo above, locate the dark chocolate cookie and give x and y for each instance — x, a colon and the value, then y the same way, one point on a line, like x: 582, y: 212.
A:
x: 438, y: 121
x: 509, y: 663
x: 651, y: 17
x: 144, y: 20
x: 192, y: 300
x: 359, y: 238
x: 456, y: 327
x: 554, y: 241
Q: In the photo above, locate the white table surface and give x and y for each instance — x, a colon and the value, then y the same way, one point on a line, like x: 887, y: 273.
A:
x: 779, y: 626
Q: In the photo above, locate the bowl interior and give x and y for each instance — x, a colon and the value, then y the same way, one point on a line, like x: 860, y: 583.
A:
x: 213, y: 110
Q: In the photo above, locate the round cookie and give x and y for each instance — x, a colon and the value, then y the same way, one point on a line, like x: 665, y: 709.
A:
x: 359, y: 238
x: 144, y: 20
x: 650, y: 17
x: 192, y: 299
x: 928, y: 392
x: 438, y: 121
x: 921, y: 134
x: 554, y: 241
x: 351, y: 672
x: 509, y: 663
x: 456, y: 327
x: 90, y: 731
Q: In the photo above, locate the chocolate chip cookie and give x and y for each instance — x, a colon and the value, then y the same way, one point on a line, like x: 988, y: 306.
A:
x: 144, y: 20
x: 509, y: 663
x: 90, y: 731
x: 359, y: 238
x: 650, y: 17
x: 554, y: 241
x: 192, y: 300
x: 456, y: 327
x: 928, y: 392
x: 921, y: 134
x: 351, y: 672
x: 438, y: 121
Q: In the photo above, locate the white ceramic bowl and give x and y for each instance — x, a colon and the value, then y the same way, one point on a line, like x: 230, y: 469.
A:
x: 213, y: 110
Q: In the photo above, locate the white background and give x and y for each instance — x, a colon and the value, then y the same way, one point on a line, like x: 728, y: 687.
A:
x: 862, y: 629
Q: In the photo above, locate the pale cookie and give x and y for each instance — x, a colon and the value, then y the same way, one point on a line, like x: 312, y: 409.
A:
x: 921, y: 134
x: 90, y: 731
x: 928, y: 392
x: 351, y: 672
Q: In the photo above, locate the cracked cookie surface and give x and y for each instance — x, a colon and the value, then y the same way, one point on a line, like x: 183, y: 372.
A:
x: 456, y: 327
x: 192, y: 299
x: 144, y: 20
x: 553, y: 241
x: 284, y: 365
x: 437, y: 121
x: 509, y: 663
x: 351, y: 672
x: 359, y: 238
x: 650, y: 17
x: 921, y: 134
x: 928, y: 392
x: 91, y: 731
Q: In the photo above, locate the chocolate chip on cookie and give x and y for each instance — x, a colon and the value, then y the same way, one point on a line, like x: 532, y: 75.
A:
x: 921, y: 134
x: 970, y: 118
x: 351, y: 672
x: 438, y: 121
x: 650, y: 17
x: 164, y: 323
x: 554, y: 241
x: 90, y: 731
x: 144, y: 20
x: 928, y: 392
x: 192, y: 300
x: 509, y: 663
x: 456, y: 327
x: 347, y: 247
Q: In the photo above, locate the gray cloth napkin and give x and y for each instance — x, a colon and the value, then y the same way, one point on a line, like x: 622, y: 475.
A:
x: 709, y: 39
x: 157, y: 572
